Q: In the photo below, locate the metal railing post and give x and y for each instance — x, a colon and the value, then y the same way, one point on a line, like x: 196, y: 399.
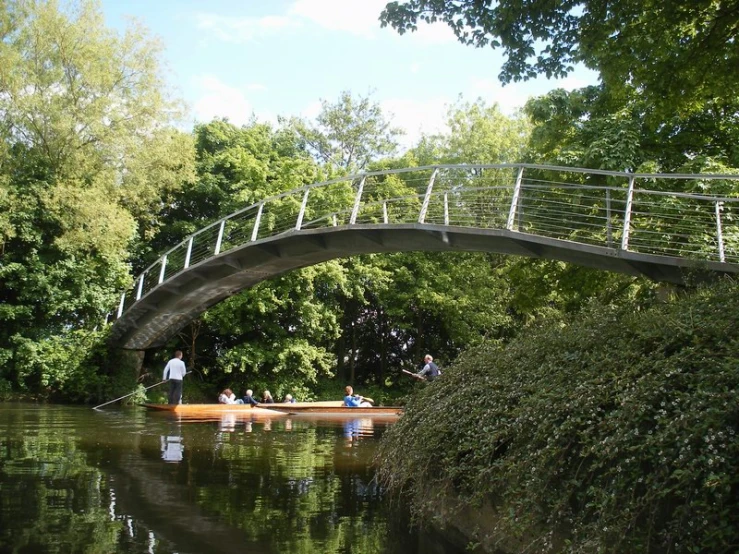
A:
x: 514, y: 200
x: 120, y: 306
x: 140, y: 287
x: 609, y: 229
x: 188, y: 255
x: 427, y: 198
x: 219, y: 240
x: 446, y: 208
x: 385, y: 219
x: 301, y: 214
x: 255, y: 231
x: 357, y: 200
x: 164, y: 268
x: 627, y: 215
x: 719, y: 233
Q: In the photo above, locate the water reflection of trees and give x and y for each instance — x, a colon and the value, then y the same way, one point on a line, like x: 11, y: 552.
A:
x: 298, y: 488
x: 50, y: 494
x: 301, y: 491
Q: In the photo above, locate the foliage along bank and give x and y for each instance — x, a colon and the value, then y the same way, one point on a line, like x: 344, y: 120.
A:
x: 96, y: 182
x: 613, y: 431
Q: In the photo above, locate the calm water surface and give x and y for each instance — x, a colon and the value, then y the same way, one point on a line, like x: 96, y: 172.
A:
x: 125, y: 480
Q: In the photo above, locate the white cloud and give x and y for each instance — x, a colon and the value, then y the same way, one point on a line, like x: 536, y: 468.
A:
x: 245, y: 29
x: 510, y: 97
x: 433, y: 33
x: 355, y: 17
x: 217, y: 99
x: 415, y: 67
x: 312, y: 110
x: 416, y: 117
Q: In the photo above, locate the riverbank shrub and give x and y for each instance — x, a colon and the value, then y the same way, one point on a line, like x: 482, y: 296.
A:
x: 612, y: 432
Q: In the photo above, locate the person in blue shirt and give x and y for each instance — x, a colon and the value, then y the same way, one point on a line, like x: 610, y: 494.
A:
x: 249, y: 398
x: 354, y: 401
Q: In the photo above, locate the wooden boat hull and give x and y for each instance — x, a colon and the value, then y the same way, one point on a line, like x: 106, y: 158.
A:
x: 211, y: 409
x: 329, y: 409
x: 307, y: 408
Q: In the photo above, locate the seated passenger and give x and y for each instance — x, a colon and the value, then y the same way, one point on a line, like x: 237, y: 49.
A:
x: 267, y: 398
x: 354, y: 401
x: 249, y: 398
x: 289, y: 399
x: 227, y: 397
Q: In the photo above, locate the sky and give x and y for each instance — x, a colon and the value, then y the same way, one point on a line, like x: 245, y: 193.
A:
x: 244, y: 58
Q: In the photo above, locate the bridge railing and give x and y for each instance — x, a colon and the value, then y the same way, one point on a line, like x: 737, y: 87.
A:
x: 646, y: 213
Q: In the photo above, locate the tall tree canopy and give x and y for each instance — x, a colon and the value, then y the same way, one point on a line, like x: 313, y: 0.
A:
x: 347, y: 134
x: 86, y: 150
x: 679, y: 54
x: 591, y: 127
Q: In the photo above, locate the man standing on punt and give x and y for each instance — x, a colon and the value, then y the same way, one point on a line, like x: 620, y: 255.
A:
x: 175, y: 371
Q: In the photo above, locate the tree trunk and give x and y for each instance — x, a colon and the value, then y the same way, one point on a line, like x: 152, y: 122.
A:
x: 190, y: 338
x: 383, y: 346
x: 341, y: 343
x: 419, y: 338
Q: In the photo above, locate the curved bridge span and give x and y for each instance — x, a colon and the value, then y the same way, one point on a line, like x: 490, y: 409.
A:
x: 637, y: 224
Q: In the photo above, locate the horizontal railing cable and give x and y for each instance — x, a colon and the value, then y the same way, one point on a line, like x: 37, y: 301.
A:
x: 540, y: 201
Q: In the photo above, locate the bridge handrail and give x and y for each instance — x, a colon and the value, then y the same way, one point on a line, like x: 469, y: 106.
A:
x: 426, y: 196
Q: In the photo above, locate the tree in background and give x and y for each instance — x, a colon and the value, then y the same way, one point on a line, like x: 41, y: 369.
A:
x: 279, y: 333
x: 476, y: 132
x: 85, y: 151
x: 348, y: 134
x: 590, y: 127
x: 409, y: 303
x: 678, y: 55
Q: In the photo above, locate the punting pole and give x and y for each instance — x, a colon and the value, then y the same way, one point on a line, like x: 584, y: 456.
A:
x: 414, y: 375
x: 127, y: 395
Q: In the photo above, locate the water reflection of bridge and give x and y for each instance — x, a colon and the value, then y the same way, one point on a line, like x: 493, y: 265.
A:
x: 637, y: 224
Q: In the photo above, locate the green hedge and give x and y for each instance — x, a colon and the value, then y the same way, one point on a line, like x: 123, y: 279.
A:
x: 613, y: 432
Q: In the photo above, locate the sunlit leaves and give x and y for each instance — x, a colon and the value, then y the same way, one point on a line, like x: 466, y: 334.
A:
x: 347, y: 134
x: 675, y: 54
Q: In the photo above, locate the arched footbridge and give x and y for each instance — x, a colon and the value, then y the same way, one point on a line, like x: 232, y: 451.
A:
x: 662, y: 226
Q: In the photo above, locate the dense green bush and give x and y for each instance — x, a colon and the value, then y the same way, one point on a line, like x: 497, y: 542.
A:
x: 65, y: 366
x: 613, y: 432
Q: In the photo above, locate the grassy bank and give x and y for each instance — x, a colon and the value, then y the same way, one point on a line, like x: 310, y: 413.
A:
x: 613, y: 432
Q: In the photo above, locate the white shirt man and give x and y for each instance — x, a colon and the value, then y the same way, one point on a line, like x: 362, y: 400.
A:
x: 175, y: 371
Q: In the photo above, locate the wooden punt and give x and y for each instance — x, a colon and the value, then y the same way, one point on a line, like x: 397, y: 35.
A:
x: 194, y: 410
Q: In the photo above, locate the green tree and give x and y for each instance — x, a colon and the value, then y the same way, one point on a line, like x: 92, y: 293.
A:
x: 476, y: 133
x: 85, y: 150
x: 678, y: 55
x: 610, y: 427
x: 280, y: 333
x: 591, y: 127
x: 347, y: 134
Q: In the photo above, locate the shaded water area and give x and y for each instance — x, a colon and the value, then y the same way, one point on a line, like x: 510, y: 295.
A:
x: 126, y: 480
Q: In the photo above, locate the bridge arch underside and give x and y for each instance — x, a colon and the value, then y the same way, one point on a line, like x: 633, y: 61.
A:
x: 166, y: 309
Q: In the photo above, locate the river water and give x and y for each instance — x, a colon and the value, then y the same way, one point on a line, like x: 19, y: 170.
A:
x: 120, y: 480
